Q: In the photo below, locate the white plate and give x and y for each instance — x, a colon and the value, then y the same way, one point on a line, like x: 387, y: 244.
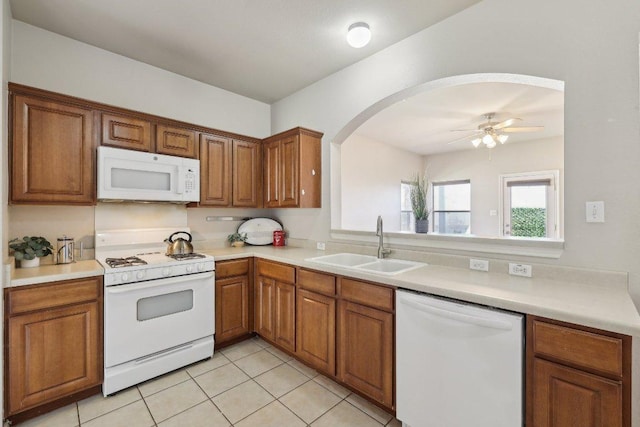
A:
x: 259, y: 230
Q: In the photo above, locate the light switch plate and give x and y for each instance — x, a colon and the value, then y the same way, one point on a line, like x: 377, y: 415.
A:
x: 595, y: 211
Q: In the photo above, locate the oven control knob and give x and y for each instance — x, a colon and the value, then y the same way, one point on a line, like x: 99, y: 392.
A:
x: 166, y: 272
x: 140, y: 275
x: 200, y: 266
x: 189, y: 268
x: 124, y: 277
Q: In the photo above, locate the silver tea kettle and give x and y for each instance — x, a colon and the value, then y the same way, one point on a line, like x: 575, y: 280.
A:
x: 179, y: 246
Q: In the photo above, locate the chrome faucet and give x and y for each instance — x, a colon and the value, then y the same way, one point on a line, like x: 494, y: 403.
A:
x: 381, y: 250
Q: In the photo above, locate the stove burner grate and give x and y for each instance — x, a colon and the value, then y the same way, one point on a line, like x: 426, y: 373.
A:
x: 181, y: 257
x: 124, y: 262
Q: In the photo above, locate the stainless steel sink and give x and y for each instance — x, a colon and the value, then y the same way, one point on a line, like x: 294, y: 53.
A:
x: 368, y: 263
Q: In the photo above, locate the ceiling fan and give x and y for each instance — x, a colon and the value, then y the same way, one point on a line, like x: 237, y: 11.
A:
x: 490, y: 133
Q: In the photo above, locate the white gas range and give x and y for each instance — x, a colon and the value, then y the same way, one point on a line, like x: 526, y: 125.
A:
x: 158, y: 310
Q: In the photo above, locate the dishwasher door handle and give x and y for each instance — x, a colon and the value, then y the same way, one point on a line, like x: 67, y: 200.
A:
x: 454, y: 315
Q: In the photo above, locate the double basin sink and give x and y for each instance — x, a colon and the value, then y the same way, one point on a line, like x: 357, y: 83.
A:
x: 367, y: 263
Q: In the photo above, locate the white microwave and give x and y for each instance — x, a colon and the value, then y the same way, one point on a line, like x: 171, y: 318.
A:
x: 139, y: 176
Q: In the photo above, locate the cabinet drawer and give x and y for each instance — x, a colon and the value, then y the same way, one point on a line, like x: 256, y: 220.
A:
x: 579, y: 348
x: 317, y: 282
x: 367, y: 294
x: 238, y: 267
x: 53, y: 294
x: 280, y: 272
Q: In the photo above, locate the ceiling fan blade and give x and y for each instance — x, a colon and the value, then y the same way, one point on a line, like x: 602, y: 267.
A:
x: 506, y: 123
x: 464, y: 130
x: 523, y: 129
x: 465, y: 138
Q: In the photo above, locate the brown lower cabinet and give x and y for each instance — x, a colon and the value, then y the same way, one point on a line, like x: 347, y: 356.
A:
x: 275, y: 303
x: 316, y: 330
x: 577, y: 376
x: 366, y: 339
x: 53, y: 342
x: 234, y: 314
x: 344, y: 328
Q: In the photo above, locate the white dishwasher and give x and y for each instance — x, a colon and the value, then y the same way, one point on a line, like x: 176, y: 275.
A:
x: 457, y: 364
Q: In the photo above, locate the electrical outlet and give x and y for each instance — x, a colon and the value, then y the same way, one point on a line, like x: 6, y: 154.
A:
x: 320, y: 246
x: 523, y: 270
x: 479, y: 264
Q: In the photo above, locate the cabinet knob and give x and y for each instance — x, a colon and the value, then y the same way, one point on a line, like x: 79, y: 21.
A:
x: 313, y: 172
x: 302, y: 191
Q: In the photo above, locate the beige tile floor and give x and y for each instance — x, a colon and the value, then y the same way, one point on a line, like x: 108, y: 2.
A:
x: 248, y: 384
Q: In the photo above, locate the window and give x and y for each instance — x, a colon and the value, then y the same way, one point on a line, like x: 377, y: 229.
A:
x: 530, y: 204
x: 407, y: 220
x: 452, y: 207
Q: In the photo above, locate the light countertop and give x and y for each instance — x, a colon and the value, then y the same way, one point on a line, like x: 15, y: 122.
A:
x: 55, y: 273
x: 598, y: 306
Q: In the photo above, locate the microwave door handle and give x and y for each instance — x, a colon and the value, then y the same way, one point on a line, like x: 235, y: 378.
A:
x: 181, y: 178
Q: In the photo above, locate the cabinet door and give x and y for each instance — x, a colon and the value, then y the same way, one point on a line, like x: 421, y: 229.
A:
x: 126, y: 132
x: 566, y: 397
x: 316, y: 330
x: 175, y: 141
x: 215, y: 171
x: 52, y: 354
x: 271, y: 180
x: 365, y: 359
x: 264, y: 299
x: 289, y: 160
x: 232, y: 308
x: 247, y: 174
x: 285, y: 316
x: 53, y: 158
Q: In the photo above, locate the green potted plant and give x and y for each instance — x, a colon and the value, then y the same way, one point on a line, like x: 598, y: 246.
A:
x: 29, y: 250
x: 237, y: 240
x: 418, y: 195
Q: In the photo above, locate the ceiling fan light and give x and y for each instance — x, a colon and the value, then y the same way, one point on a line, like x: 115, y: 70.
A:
x: 503, y: 138
x: 488, y: 139
x: 476, y: 142
x: 491, y: 144
x: 358, y: 34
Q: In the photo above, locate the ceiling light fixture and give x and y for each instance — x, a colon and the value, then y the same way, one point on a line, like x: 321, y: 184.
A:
x: 358, y: 35
x: 490, y: 138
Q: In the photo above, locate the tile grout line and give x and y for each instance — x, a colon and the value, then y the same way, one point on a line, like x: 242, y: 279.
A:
x: 211, y: 398
x: 147, y: 406
x: 382, y: 424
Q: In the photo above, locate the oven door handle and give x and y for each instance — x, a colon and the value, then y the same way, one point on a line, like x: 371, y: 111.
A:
x: 132, y: 287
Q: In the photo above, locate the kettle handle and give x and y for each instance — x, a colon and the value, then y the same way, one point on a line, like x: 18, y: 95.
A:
x: 179, y: 232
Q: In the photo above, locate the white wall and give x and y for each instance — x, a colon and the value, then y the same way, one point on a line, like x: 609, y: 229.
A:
x: 483, y: 167
x: 371, y: 174
x: 49, y: 61
x: 591, y: 46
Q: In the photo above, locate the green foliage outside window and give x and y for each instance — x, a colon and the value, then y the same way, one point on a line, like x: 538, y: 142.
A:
x: 529, y: 222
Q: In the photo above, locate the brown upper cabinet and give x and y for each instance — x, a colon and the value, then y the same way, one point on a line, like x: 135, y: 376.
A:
x: 292, y: 169
x: 176, y: 141
x: 126, y: 132
x: 53, y: 161
x: 230, y: 172
x: 52, y: 152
